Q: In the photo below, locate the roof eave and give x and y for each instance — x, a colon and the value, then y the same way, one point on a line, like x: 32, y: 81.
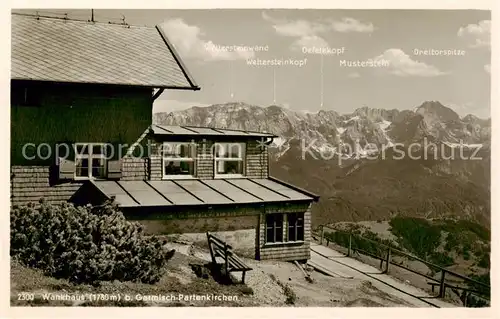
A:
x: 212, y: 136
x: 177, y: 58
x: 248, y: 134
x: 151, y: 86
x: 315, y: 197
x: 213, y: 206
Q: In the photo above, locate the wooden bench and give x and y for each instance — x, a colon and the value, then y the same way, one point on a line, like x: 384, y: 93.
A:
x: 232, y: 262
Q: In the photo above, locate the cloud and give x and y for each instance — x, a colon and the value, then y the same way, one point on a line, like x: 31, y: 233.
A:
x: 487, y: 68
x: 310, y: 41
x: 188, y: 40
x: 401, y: 64
x: 307, y: 33
x: 352, y: 25
x: 478, y: 34
x: 296, y: 28
x: 354, y: 75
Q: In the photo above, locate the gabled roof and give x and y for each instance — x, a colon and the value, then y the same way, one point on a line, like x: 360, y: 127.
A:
x: 61, y: 50
x: 202, y: 131
x: 196, y: 192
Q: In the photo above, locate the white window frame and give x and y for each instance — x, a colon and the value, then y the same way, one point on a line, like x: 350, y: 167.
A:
x: 90, y: 156
x: 165, y: 159
x: 241, y: 157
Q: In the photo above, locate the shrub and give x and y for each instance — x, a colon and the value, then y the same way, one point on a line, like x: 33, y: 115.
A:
x: 481, y: 231
x: 466, y: 254
x: 441, y: 259
x: 290, y: 295
x: 485, y: 279
x: 85, y: 244
x: 359, y: 241
x: 416, y: 234
x: 451, y: 242
x: 484, y: 262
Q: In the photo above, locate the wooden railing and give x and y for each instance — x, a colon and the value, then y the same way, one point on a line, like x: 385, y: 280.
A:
x: 388, y: 260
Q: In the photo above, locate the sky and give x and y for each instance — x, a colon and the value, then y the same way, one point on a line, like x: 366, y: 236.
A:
x: 335, y: 79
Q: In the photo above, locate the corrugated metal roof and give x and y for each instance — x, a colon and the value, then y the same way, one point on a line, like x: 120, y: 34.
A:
x: 197, y: 131
x: 200, y: 192
x: 51, y: 49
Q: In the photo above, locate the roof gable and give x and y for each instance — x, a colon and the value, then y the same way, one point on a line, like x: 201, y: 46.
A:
x: 59, y: 50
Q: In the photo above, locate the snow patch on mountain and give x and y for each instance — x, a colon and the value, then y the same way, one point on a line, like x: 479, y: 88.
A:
x: 354, y: 118
x: 278, y: 142
x: 460, y: 145
x: 384, y: 126
x: 329, y: 132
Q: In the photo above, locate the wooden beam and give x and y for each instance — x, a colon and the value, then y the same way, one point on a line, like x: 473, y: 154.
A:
x: 158, y: 93
x: 442, y: 286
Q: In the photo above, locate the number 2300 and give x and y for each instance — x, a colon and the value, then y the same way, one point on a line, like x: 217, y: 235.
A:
x: 25, y: 296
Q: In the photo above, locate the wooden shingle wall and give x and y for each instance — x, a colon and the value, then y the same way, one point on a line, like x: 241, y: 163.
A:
x: 134, y: 168
x: 204, y: 159
x: 284, y: 251
x: 31, y: 183
x: 256, y: 159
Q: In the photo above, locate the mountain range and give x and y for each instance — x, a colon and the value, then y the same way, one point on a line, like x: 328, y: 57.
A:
x: 351, y: 159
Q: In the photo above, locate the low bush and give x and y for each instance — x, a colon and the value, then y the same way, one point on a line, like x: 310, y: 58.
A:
x: 484, y: 262
x: 290, y: 295
x: 441, y: 259
x: 366, y: 241
x: 483, y: 278
x: 85, y: 244
x: 417, y: 235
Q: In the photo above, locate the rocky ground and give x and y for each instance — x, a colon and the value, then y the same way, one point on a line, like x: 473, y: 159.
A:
x: 277, y: 283
x: 270, y: 283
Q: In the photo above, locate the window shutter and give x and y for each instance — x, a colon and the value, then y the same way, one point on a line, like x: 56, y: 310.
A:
x: 67, y: 169
x: 114, y: 169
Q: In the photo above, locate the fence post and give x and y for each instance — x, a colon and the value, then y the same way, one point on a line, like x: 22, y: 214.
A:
x: 211, y: 250
x: 225, y: 260
x: 388, y: 260
x: 442, y: 285
x: 350, y: 242
x: 322, y: 234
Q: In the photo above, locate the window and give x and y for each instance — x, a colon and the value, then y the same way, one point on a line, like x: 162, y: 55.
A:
x: 178, y: 160
x: 90, y: 160
x: 295, y: 226
x: 229, y: 159
x: 274, y: 228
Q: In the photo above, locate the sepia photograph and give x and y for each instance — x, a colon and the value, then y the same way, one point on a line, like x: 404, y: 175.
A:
x: 250, y: 158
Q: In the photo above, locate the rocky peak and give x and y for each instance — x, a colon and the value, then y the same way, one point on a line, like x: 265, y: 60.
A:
x: 435, y: 111
x: 376, y: 115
